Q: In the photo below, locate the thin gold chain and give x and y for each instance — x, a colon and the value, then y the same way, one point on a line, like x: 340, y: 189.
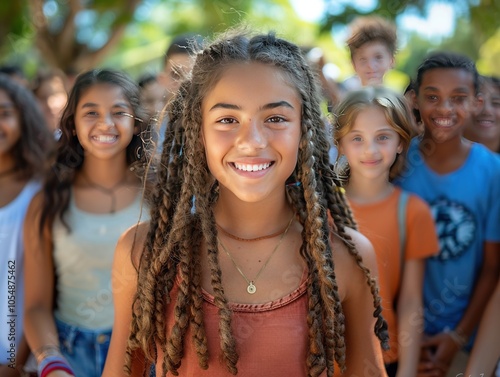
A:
x: 251, y: 283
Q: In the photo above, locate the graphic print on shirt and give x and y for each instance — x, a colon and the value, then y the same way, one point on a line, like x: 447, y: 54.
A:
x: 455, y: 226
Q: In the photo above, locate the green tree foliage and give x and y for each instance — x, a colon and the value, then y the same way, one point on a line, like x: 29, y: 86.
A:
x: 74, y: 34
x: 133, y: 34
x: 12, y: 22
x: 157, y: 21
x: 482, y: 15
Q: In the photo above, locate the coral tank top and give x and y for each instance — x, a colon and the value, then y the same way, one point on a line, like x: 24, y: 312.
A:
x: 271, y: 338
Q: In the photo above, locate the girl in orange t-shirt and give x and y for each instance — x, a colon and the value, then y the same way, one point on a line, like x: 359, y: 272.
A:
x: 373, y: 132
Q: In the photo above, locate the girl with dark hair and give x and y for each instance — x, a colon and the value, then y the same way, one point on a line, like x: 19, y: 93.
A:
x: 25, y: 143
x: 91, y: 196
x: 373, y: 131
x: 250, y: 264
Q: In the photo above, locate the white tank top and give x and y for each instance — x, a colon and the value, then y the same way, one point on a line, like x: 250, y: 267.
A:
x: 11, y: 270
x: 83, y: 258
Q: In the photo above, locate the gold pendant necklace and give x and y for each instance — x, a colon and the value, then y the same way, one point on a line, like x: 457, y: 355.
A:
x: 251, y: 289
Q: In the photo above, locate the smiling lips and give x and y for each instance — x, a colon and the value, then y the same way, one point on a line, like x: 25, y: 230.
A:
x: 485, y: 123
x: 105, y: 139
x: 252, y: 167
x: 443, y: 122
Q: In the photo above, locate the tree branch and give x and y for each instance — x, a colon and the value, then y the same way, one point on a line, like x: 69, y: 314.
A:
x: 66, y: 38
x: 91, y: 59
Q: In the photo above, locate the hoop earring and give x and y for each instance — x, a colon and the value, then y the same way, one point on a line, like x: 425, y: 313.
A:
x: 138, y: 152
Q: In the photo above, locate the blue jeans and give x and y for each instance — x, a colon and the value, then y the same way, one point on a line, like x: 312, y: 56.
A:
x: 85, y: 349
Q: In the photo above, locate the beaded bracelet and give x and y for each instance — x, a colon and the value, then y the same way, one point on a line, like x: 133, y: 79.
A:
x: 52, y: 368
x: 52, y: 363
x: 45, y: 351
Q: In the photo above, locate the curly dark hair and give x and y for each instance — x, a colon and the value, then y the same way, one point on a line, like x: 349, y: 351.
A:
x: 176, y: 230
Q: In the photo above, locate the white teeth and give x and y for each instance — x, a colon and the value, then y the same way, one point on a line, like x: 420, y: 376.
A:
x: 485, y: 123
x: 443, y: 122
x: 252, y: 167
x: 105, y: 138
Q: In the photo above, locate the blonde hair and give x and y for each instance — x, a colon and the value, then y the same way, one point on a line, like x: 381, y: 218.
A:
x: 397, y: 113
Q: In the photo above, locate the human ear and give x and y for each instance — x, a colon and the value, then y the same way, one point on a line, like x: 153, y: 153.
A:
x: 477, y: 103
x: 399, y: 150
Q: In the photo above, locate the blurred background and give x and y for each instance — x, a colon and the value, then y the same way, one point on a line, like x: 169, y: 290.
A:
x: 132, y: 35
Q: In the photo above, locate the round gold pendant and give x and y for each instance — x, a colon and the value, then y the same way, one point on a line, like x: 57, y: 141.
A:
x: 251, y: 288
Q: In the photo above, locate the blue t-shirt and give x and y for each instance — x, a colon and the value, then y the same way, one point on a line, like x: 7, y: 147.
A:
x: 466, y: 208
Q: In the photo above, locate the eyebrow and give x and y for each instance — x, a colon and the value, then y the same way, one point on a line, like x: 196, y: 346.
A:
x: 268, y: 106
x: 354, y: 130
x: 459, y: 90
x: 119, y: 104
x: 6, y: 105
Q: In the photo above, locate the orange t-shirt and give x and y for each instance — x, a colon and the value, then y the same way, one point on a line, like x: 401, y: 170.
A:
x: 379, y: 223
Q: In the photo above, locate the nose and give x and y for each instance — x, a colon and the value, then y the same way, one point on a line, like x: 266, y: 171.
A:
x: 107, y: 120
x: 445, y: 106
x: 252, y: 136
x: 372, y: 64
x: 484, y: 106
x: 370, y: 147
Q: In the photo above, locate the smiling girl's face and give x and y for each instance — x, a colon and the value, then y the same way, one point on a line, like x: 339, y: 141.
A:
x: 104, y: 121
x: 251, y: 131
x: 371, y: 145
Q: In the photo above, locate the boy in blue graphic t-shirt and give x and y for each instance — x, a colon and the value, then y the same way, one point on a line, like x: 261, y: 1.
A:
x: 460, y: 180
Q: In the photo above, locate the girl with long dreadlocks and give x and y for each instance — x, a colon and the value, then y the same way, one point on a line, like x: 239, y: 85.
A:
x: 249, y: 264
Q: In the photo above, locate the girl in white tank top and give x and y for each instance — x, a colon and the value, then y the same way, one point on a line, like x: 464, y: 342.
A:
x: 92, y: 195
x: 25, y: 142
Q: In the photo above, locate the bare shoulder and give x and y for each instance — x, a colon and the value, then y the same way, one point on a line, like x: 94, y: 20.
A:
x: 347, y: 268
x: 34, y: 237
x: 35, y: 206
x: 131, y: 243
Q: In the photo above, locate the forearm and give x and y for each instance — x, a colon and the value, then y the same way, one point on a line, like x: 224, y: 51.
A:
x: 410, y: 328
x: 482, y: 292
x: 486, y: 351
x: 23, y: 351
x: 40, y: 329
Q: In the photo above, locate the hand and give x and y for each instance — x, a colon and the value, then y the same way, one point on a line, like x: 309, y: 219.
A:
x: 436, y: 355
